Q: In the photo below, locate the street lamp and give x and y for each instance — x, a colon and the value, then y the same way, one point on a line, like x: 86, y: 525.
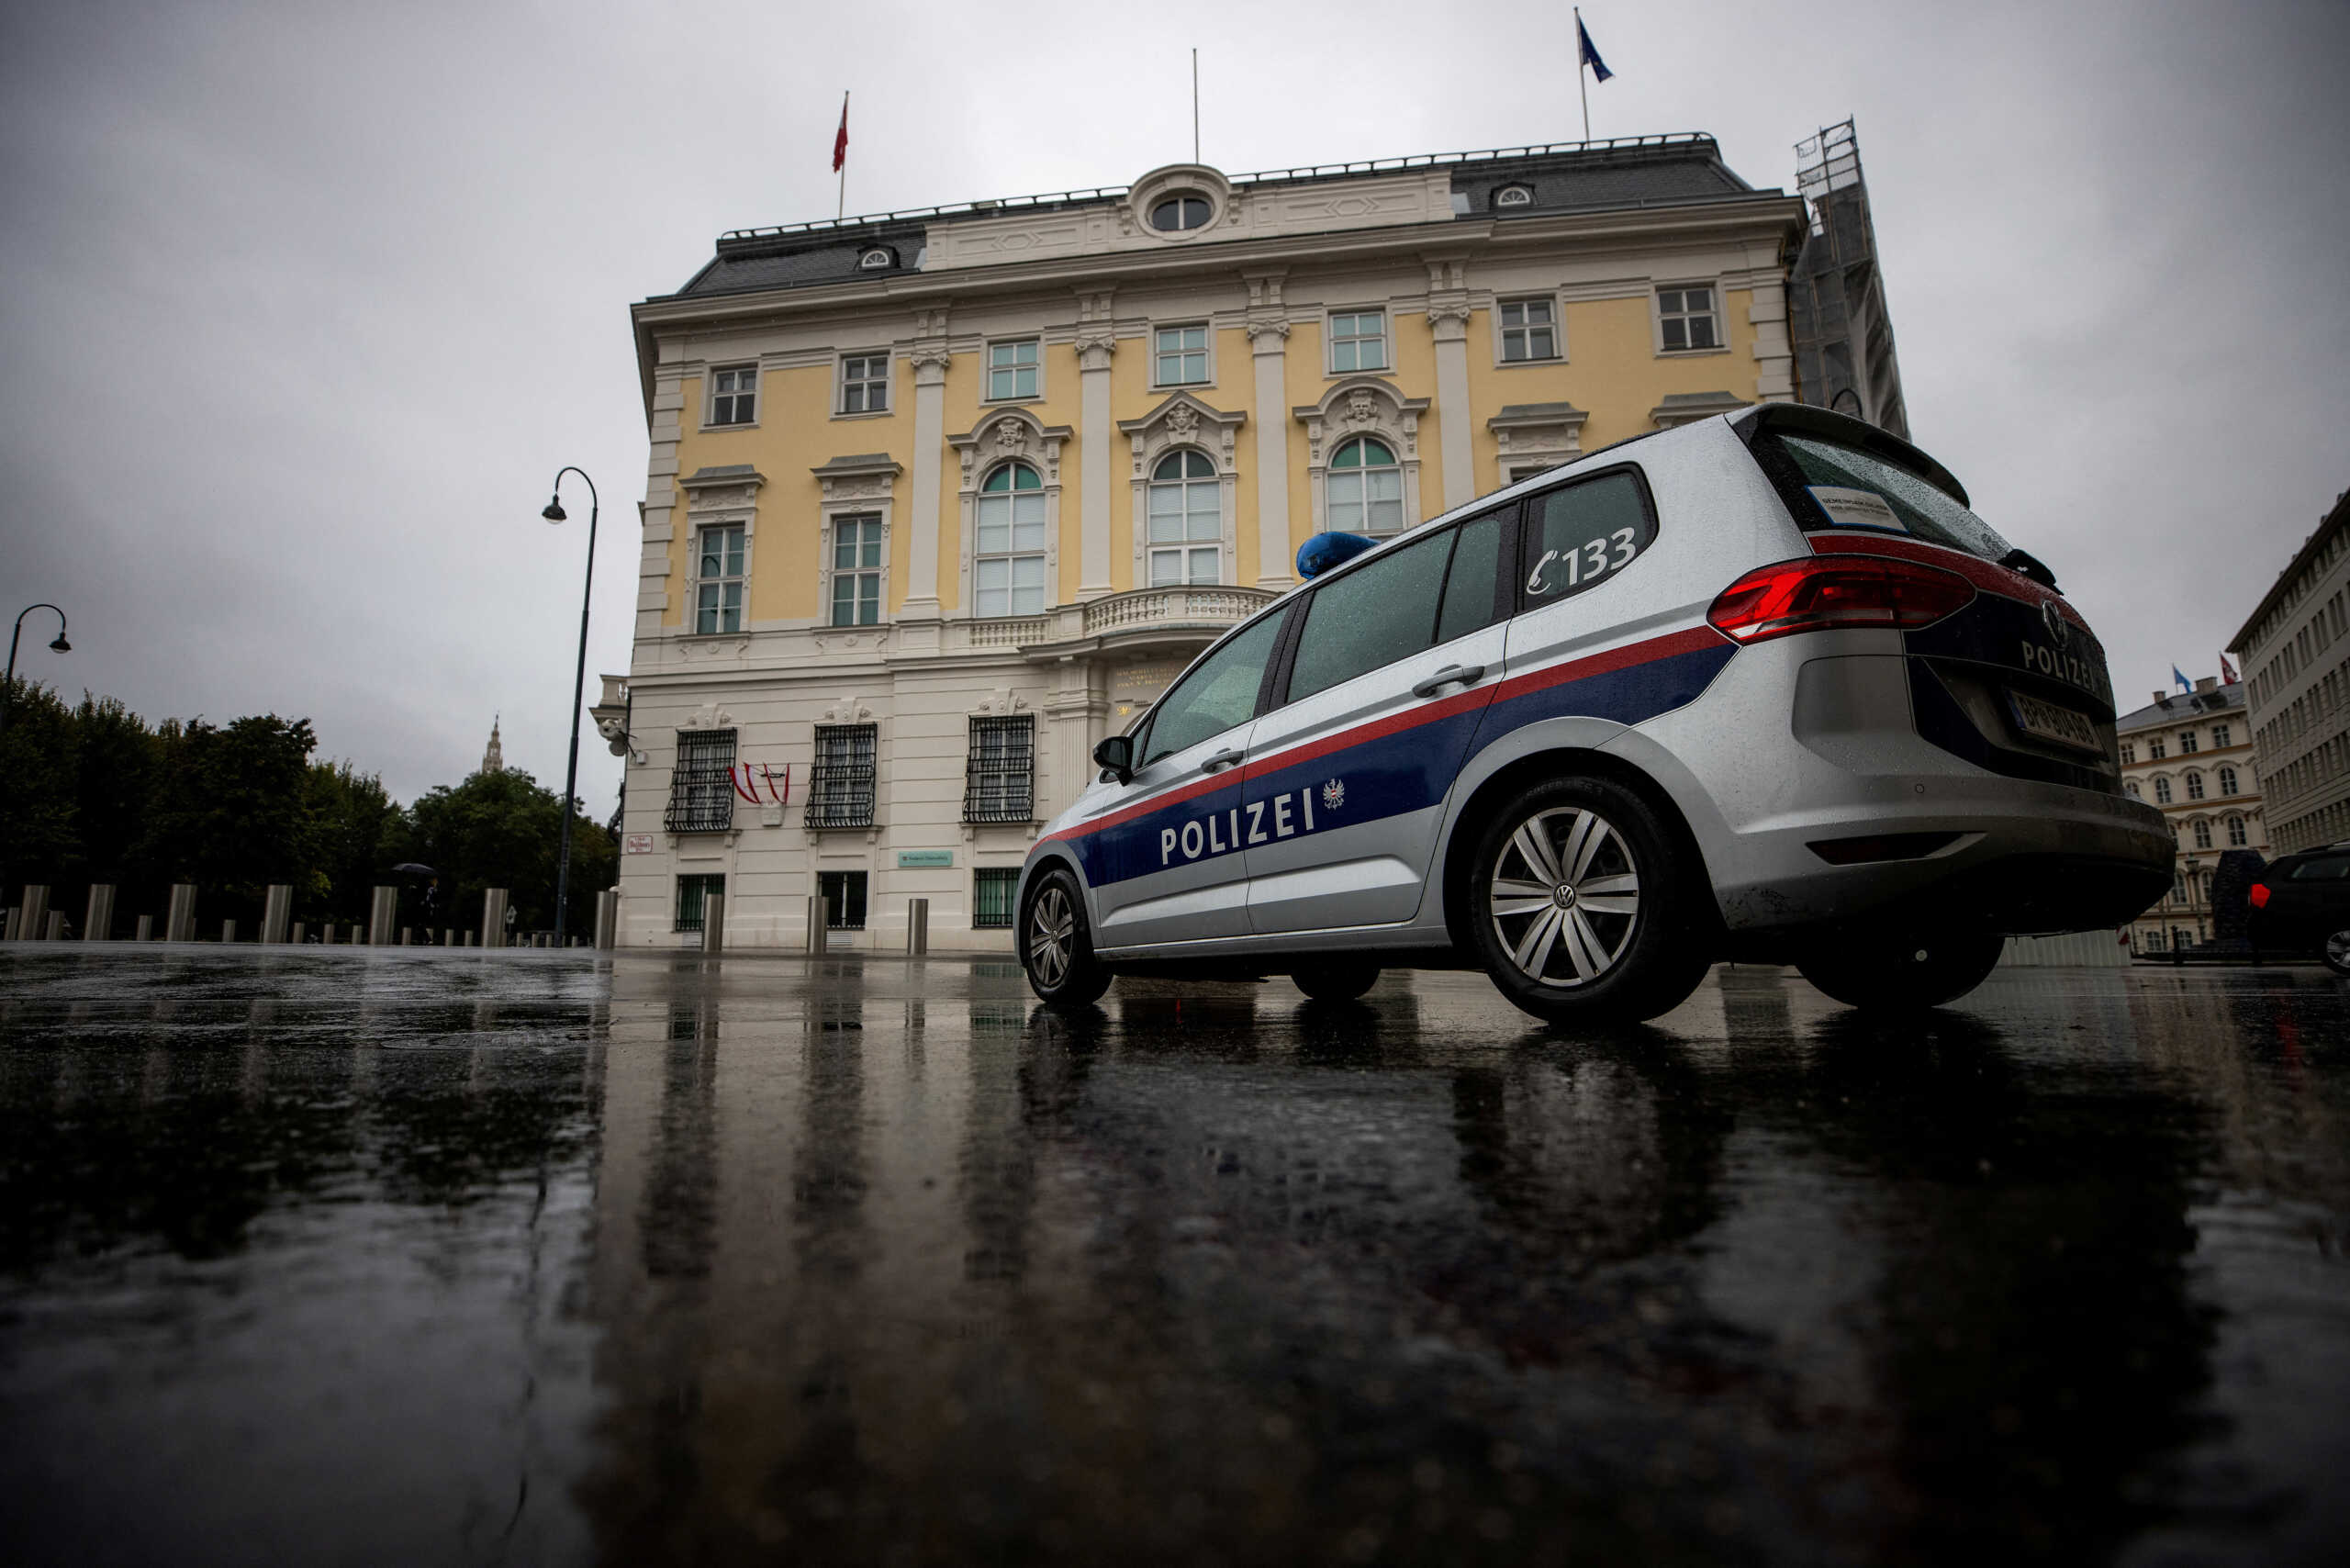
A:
x: 554, y: 513
x: 8, y: 691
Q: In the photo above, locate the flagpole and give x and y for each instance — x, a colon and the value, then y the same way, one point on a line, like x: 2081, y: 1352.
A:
x: 1582, y: 86
x: 1195, y: 106
x: 841, y: 211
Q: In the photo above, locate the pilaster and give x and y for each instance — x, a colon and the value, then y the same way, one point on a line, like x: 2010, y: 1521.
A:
x: 1449, y: 318
x: 929, y: 357
x: 1268, y: 350
x: 1096, y: 342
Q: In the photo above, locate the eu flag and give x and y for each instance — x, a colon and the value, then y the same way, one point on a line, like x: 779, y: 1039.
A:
x: 1599, y: 72
x: 2184, y: 683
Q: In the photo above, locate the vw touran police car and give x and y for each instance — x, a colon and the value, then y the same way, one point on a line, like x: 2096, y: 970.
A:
x: 1760, y: 687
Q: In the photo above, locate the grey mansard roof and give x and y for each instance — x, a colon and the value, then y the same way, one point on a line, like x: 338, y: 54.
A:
x: 1635, y: 173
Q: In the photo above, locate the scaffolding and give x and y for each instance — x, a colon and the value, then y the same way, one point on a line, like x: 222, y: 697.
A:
x: 1842, y: 333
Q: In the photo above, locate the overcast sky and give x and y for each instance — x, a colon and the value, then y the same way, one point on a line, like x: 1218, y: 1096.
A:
x: 304, y: 307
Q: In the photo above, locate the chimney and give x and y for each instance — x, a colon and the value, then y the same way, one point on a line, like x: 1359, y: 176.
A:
x: 2207, y: 683
x: 2162, y: 698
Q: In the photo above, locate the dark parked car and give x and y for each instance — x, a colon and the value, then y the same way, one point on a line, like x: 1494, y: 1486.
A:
x: 2301, y: 904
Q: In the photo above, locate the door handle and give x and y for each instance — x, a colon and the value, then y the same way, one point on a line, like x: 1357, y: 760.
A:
x: 1450, y: 675
x: 1222, y: 759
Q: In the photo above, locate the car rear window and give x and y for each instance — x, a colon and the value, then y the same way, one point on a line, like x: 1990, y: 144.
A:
x: 1829, y: 484
x: 2323, y: 868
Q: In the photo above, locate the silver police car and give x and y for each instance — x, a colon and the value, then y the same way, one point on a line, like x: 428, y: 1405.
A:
x: 1760, y: 687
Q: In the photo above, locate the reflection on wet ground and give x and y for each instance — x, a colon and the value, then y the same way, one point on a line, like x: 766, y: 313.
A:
x: 392, y: 1256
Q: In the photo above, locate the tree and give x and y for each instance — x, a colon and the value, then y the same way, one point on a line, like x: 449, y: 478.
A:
x: 358, y: 831
x: 501, y: 830
x: 38, y: 836
x: 115, y: 764
x: 232, y: 814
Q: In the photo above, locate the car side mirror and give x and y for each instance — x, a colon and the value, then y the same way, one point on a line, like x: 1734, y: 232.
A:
x: 1116, y: 756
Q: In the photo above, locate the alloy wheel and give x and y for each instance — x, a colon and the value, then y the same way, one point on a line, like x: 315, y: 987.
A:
x: 1565, y: 897
x: 1052, y: 935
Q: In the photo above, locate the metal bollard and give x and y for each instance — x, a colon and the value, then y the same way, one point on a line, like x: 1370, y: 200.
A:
x: 276, y: 910
x: 917, y: 926
x: 16, y: 919
x: 382, y: 910
x: 228, y: 931
x: 294, y: 936
x: 608, y: 920
x: 179, y: 921
x: 407, y: 936
x: 820, y: 922
x: 493, y: 918
x: 33, y: 924
x: 472, y: 938
x: 97, y: 921
x: 146, y: 929
x: 713, y: 922
x: 56, y: 930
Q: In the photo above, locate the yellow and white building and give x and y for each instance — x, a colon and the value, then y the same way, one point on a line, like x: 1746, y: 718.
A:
x: 937, y: 499
x: 2190, y: 755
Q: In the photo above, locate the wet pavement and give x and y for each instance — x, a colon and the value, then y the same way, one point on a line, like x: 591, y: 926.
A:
x: 420, y: 1256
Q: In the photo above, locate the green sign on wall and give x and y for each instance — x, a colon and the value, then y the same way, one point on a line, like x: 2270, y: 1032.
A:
x: 924, y: 859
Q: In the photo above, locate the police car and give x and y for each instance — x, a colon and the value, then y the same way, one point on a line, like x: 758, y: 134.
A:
x: 1759, y: 688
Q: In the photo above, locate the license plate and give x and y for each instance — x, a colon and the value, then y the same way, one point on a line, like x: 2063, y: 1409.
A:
x: 2046, y: 721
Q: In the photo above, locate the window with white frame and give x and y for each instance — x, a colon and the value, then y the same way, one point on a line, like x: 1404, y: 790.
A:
x: 1686, y: 318
x: 2218, y: 736
x: 2129, y: 751
x: 858, y: 552
x: 1180, y: 355
x: 2237, y: 838
x: 1358, y: 341
x: 2203, y: 836
x: 1186, y: 521
x: 1365, y: 487
x: 2194, y: 786
x: 701, y: 783
x: 2162, y: 791
x: 718, y: 579
x: 1529, y: 330
x: 999, y: 777
x: 1008, y: 565
x: 734, y: 395
x: 1011, y: 369
x: 2155, y: 748
x: 1514, y: 195
x: 2227, y: 782
x: 865, y: 384
x: 2186, y: 742
x: 840, y: 776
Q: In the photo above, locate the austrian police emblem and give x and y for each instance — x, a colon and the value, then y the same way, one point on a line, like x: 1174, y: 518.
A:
x: 1334, y: 795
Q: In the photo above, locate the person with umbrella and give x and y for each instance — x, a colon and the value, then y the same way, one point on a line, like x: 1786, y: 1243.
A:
x: 431, y: 893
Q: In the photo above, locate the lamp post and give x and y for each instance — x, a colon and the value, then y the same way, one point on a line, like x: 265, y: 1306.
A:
x: 554, y: 513
x: 8, y: 691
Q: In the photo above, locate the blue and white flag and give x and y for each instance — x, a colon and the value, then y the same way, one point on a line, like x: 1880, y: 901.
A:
x: 1599, y: 72
x: 2184, y: 683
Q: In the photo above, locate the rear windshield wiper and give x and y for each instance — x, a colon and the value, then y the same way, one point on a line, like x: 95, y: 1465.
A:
x: 2031, y: 566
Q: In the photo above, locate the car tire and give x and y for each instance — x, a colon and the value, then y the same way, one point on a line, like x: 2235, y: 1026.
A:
x: 2335, y: 953
x: 1057, y: 944
x: 1583, y: 906
x: 1335, y: 980
x: 1901, y: 972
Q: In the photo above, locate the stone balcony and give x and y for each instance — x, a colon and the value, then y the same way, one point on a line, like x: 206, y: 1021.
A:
x: 1190, y: 616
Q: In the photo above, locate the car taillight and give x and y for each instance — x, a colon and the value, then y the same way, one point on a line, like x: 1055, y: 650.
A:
x: 2259, y: 895
x: 1826, y: 593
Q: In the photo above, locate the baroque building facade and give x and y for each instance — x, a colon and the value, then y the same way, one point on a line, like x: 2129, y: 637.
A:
x: 935, y: 501
x: 2190, y: 756
x: 2296, y: 665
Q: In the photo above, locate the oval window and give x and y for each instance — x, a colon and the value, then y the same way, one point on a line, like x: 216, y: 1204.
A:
x: 1514, y: 195
x: 876, y: 258
x: 1184, y: 210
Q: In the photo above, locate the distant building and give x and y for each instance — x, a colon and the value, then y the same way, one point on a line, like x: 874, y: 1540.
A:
x: 936, y: 499
x: 2300, y: 687
x: 492, y: 759
x: 2190, y: 755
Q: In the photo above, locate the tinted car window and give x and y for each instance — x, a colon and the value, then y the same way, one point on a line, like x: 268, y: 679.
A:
x: 1468, y: 584
x: 1219, y: 692
x: 2323, y: 868
x: 1850, y: 488
x: 1381, y: 611
x: 1582, y: 535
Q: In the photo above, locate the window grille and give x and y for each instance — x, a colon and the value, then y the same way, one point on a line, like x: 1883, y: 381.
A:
x: 1000, y: 779
x: 840, y: 782
x: 702, y: 787
x: 692, y: 893
x: 992, y: 889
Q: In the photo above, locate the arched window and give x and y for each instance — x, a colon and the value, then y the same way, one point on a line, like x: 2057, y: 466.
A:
x: 2194, y: 786
x: 2203, y: 836
x: 2227, y: 782
x: 1179, y: 211
x: 1008, y: 567
x: 1366, y: 488
x: 2135, y: 793
x: 1186, y: 518
x: 2162, y: 791
x: 2237, y: 839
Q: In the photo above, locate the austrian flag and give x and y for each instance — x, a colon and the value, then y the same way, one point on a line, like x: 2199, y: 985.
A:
x: 840, y: 142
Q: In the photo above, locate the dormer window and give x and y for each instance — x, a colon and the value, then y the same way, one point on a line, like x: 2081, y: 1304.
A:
x: 1514, y: 195
x: 1181, y: 212
x: 876, y: 259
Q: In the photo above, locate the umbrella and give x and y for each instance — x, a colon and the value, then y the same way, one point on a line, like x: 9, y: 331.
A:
x: 410, y: 868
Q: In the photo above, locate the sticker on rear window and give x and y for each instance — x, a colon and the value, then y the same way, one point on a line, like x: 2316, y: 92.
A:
x: 1856, y: 508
